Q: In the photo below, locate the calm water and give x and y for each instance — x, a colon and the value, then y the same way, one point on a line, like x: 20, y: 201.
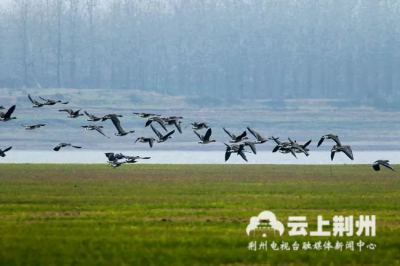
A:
x: 198, y: 157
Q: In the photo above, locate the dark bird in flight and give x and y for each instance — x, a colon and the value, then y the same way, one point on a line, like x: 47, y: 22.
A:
x: 385, y: 163
x: 234, y: 138
x: 234, y: 148
x: 198, y: 126
x: 92, y: 117
x: 35, y: 103
x: 7, y: 116
x: 161, y: 137
x: 260, y: 139
x: 3, y: 152
x: 97, y: 128
x: 145, y: 115
x: 329, y: 136
x: 32, y: 127
x: 206, y: 138
x: 144, y: 140
x: 62, y: 145
x: 51, y: 102
x: 104, y: 118
x: 117, y: 124
x: 72, y: 113
x: 346, y: 149
x: 158, y: 120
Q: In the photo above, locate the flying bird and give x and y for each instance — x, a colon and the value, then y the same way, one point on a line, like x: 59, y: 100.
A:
x: 260, y: 139
x: 161, y: 137
x: 117, y: 124
x: 145, y: 115
x: 234, y: 138
x: 329, y: 136
x: 385, y: 163
x: 346, y: 149
x: 92, y: 117
x: 234, y: 148
x: 251, y: 144
x: 297, y: 147
x: 7, y: 116
x: 304, y: 146
x: 144, y: 140
x: 51, y: 102
x: 158, y: 120
x: 109, y: 116
x: 97, y: 128
x: 173, y: 120
x: 35, y: 103
x: 3, y: 152
x: 198, y: 126
x: 283, y: 147
x: 62, y: 145
x: 133, y: 159
x: 31, y: 127
x: 114, y: 156
x: 72, y: 113
x: 206, y: 138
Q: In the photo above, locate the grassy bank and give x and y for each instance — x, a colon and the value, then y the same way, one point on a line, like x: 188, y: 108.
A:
x: 188, y: 214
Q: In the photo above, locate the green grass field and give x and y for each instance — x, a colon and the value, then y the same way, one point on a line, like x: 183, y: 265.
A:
x: 189, y: 214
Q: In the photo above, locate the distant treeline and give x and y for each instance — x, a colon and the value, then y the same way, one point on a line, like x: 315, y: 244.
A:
x: 225, y: 48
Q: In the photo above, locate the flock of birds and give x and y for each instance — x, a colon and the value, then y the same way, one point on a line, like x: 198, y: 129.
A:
x: 237, y: 143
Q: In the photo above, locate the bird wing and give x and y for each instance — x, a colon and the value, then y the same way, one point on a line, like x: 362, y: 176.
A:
x: 77, y: 112
x: 101, y: 132
x: 242, y: 135
x: 207, y: 135
x: 292, y: 152
x: 347, y: 150
x: 1, y: 114
x: 320, y: 142
x: 9, y: 148
x: 159, y: 135
x: 227, y: 155
x: 307, y: 143
x: 277, y: 141
x: 57, y: 148
x: 117, y: 123
x: 240, y: 150
x: 86, y: 113
x: 386, y: 164
x: 151, y: 142
x: 178, y: 126
x: 336, y: 139
x: 252, y: 146
x: 136, y: 140
x: 9, y: 112
x: 276, y: 148
x: 30, y: 98
x: 254, y: 133
x: 160, y: 121
x: 109, y: 155
x: 376, y: 167
x: 47, y: 100
x: 78, y: 147
x: 229, y: 133
x: 200, y: 137
x: 332, y: 155
x: 167, y: 135
x: 69, y: 111
x: 243, y: 155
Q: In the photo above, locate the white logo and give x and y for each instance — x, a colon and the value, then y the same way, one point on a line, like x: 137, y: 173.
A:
x: 265, y: 220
